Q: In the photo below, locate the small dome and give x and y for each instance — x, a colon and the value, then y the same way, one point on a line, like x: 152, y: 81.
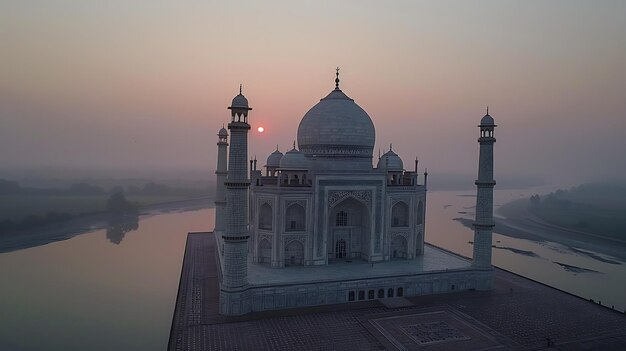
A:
x: 239, y: 101
x: 487, y: 120
x: 223, y: 132
x: 273, y: 160
x: 390, y: 161
x: 294, y: 160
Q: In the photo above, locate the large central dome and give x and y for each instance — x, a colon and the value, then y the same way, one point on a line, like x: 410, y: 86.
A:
x: 336, y: 127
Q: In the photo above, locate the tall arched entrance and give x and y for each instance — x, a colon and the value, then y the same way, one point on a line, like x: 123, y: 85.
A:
x: 349, y: 231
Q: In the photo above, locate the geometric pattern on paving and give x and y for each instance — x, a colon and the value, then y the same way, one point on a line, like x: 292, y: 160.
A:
x: 433, y: 333
x: 517, y: 314
x: 438, y: 328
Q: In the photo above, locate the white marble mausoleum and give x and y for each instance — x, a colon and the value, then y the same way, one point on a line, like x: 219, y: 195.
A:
x: 323, y: 223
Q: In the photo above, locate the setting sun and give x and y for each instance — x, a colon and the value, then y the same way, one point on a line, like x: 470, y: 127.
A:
x: 261, y: 129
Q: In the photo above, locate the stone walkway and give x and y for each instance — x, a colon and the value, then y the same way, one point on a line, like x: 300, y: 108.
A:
x: 517, y: 314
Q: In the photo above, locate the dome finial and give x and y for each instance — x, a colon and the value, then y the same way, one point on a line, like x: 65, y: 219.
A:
x: 337, y: 79
x: 276, y: 147
x: 294, y: 144
x: 487, y: 109
x: 390, y: 146
x: 240, y: 88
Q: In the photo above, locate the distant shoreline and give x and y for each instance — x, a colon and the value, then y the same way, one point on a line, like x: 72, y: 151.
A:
x: 89, y: 223
x: 520, y: 223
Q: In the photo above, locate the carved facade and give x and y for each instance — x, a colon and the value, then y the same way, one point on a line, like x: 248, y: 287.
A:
x: 328, y: 204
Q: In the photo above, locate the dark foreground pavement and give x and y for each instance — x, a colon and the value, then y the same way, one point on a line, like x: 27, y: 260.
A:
x: 519, y: 314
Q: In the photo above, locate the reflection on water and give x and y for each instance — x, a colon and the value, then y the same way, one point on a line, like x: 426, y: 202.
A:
x: 118, y: 226
x: 88, y: 294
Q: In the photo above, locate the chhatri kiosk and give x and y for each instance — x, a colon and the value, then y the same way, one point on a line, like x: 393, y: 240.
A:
x: 321, y: 225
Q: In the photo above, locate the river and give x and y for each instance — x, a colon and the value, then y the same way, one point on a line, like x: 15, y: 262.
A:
x: 114, y: 291
x: 590, y: 275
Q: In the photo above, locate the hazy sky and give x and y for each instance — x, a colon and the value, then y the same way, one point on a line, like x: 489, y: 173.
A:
x: 146, y: 83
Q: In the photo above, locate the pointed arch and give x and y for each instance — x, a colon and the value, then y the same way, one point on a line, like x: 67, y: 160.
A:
x: 349, y: 228
x: 265, y: 251
x: 400, y: 214
x: 398, y: 247
x: 294, y: 254
x: 265, y: 217
x: 295, y: 217
x: 420, y: 213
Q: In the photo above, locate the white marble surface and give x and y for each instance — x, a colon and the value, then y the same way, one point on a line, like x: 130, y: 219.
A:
x: 433, y: 260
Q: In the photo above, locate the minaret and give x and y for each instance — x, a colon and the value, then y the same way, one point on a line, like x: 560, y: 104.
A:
x: 235, y: 266
x: 220, y: 188
x: 483, y: 225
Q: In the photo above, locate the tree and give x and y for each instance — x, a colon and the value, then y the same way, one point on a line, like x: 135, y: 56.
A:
x: 535, y: 200
x: 117, y: 204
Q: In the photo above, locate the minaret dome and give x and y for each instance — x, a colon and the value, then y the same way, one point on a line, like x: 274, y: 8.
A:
x: 239, y: 108
x: 487, y: 125
x: 222, y: 135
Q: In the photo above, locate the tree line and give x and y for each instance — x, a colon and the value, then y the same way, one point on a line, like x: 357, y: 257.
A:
x: 9, y: 187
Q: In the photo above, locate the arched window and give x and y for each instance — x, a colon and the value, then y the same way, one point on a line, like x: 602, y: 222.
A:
x: 400, y: 292
x: 265, y: 251
x: 381, y: 293
x: 390, y: 292
x: 420, y: 213
x: 398, y: 247
x: 342, y: 219
x: 295, y: 218
x: 265, y: 217
x: 370, y: 295
x: 340, y: 249
x: 351, y: 296
x: 400, y: 215
x: 294, y: 254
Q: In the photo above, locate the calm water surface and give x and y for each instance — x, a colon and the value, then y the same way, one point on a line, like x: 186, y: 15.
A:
x: 608, y: 284
x: 89, y: 293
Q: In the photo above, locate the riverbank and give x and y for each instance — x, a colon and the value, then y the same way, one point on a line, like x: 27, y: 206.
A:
x: 515, y: 220
x: 88, y: 223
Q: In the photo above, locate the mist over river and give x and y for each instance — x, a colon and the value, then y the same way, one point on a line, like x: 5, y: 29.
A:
x: 113, y: 289
x: 565, y: 265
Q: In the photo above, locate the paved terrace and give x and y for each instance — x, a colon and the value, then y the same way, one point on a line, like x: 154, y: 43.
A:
x: 518, y: 314
x: 433, y: 260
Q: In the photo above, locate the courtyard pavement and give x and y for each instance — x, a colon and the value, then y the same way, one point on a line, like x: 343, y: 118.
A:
x: 518, y: 314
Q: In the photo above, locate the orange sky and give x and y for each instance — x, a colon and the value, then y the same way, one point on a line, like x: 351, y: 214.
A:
x: 146, y: 85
